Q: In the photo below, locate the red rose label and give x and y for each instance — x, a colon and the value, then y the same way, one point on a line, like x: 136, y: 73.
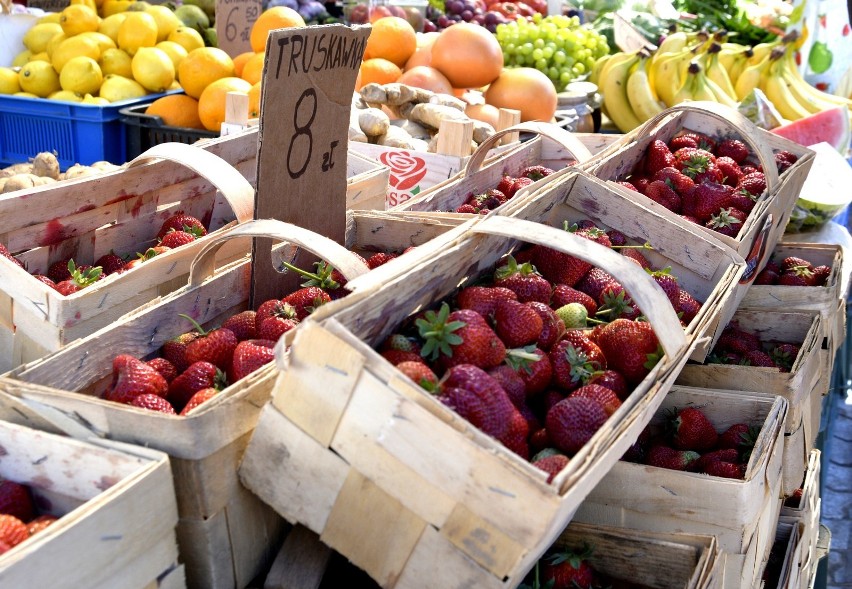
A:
x: 406, y: 170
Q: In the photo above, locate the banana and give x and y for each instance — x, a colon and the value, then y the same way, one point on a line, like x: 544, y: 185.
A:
x: 717, y: 74
x: 776, y: 90
x: 722, y: 97
x: 673, y: 42
x: 594, y: 75
x: 762, y: 50
x: 641, y: 96
x: 614, y: 89
x: 750, y: 78
x: 700, y: 88
x: 739, y: 65
x: 687, y: 89
x: 792, y: 73
x: 668, y: 74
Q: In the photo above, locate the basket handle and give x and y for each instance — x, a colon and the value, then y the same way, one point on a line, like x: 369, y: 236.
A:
x: 564, y: 138
x: 335, y: 254
x: 233, y: 186
x: 642, y: 288
x: 728, y: 116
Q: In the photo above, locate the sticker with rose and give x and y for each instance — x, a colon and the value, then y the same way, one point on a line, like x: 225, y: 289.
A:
x: 406, y: 170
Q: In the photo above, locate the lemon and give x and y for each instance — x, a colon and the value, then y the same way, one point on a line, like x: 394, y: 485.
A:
x: 37, y: 38
x: 78, y: 18
x: 54, y: 43
x: 49, y: 17
x: 90, y: 3
x: 9, y: 81
x: 26, y: 95
x: 175, y: 52
x: 118, y: 88
x: 116, y: 61
x: 167, y: 21
x: 71, y: 48
x: 103, y: 41
x: 39, y: 78
x: 187, y: 38
x: 111, y: 7
x: 22, y: 58
x: 66, y: 95
x: 81, y: 75
x: 99, y: 100
x: 175, y: 86
x: 39, y: 57
x: 110, y: 25
x: 153, y: 69
x: 139, y: 29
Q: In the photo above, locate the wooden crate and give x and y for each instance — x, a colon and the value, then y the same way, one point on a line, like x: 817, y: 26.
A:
x: 788, y: 544
x: 742, y: 514
x: 226, y: 534
x: 767, y: 221
x: 706, y: 269
x: 807, y: 513
x: 116, y: 509
x: 393, y: 479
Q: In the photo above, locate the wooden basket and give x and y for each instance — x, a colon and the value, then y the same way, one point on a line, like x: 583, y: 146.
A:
x: 807, y: 512
x: 802, y: 387
x: 86, y: 218
x: 766, y: 223
x: 116, y: 508
x: 788, y: 543
x: 708, y: 270
x: 226, y: 534
x: 742, y: 514
x: 393, y: 479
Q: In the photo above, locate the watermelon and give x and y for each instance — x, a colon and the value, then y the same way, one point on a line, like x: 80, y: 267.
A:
x: 831, y: 126
x: 825, y: 192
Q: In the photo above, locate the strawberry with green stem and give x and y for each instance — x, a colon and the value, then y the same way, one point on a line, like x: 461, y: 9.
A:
x: 460, y: 337
x: 215, y: 346
x: 569, y: 569
x: 523, y: 280
x: 79, y: 280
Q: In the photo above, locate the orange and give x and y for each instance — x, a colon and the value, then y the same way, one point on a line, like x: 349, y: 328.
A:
x: 177, y: 110
x: 279, y: 17
x: 253, y: 69
x: 211, y: 105
x: 378, y: 70
x: 254, y: 101
x: 203, y: 66
x: 240, y: 61
x: 392, y: 38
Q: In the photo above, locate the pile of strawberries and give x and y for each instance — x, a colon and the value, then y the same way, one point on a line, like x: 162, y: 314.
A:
x: 195, y: 366
x: 690, y: 442
x: 18, y: 519
x: 514, y: 355
x: 65, y: 277
x: 738, y: 346
x: 489, y: 200
x: 715, y: 184
x: 793, y: 271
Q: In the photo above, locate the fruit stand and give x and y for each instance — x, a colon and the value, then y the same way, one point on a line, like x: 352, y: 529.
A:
x: 458, y: 293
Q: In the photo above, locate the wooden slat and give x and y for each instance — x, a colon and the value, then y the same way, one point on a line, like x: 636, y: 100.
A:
x: 301, y: 562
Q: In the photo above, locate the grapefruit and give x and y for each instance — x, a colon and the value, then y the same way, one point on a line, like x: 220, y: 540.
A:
x: 525, y: 89
x: 468, y: 55
x: 427, y: 78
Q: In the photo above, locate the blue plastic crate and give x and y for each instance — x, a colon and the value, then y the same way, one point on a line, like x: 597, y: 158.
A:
x: 78, y: 133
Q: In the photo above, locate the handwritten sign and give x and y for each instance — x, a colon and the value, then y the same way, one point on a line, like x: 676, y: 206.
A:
x: 49, y: 5
x: 627, y: 37
x: 308, y: 80
x: 234, y: 19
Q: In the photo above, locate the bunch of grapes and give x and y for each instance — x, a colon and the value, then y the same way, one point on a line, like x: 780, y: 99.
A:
x: 556, y: 45
x: 472, y: 11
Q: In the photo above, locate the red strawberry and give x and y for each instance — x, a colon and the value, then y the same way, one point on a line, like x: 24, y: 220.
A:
x: 215, y: 346
x: 132, y: 377
x: 767, y: 276
x: 637, y: 256
x: 575, y: 364
x: 515, y: 438
x: 533, y: 367
x: 272, y: 308
x: 727, y: 221
x: 536, y: 172
x: 660, y: 192
x: 478, y: 398
x: 665, y: 457
x: 736, y: 340
x: 505, y: 184
x: 466, y: 208
x: 704, y: 142
x: 249, y: 355
x: 694, y: 162
x: 783, y: 160
x: 792, y: 262
x: 174, y: 350
x: 616, y: 238
x: 306, y: 300
x: 396, y: 357
x: 640, y: 182
x: 200, y: 375
x: 538, y: 439
x: 728, y: 470
x: 150, y: 253
x: 562, y: 268
x: 738, y: 437
x: 460, y: 337
x: 58, y: 271
x: 734, y: 149
x: 243, y: 324
x: 274, y: 327
x: 750, y: 169
x: 516, y: 324
x: 40, y: 523
x: 685, y: 140
x: 801, y: 277
x: 552, y: 327
x: 630, y: 347
x: 603, y: 395
x: 760, y: 358
x: 658, y: 156
x: 680, y: 182
x: 523, y: 280
x: 80, y: 278
x: 181, y: 222
x: 743, y: 200
x: 687, y: 306
x: 628, y: 185
x: 723, y: 455
x: 197, y: 399
x: 754, y: 183
x: 552, y: 465
x: 731, y: 172
x: 174, y: 239
x: 4, y: 252
x: 691, y: 430
x: 611, y: 380
x: 419, y: 373
x: 379, y: 259
x: 668, y: 283
x: 111, y: 264
x: 483, y: 299
x: 164, y: 367
x: 595, y: 282
x: 44, y: 279
x: 821, y: 275
x: 15, y: 499
x: 563, y: 295
x: 615, y: 300
x: 572, y: 422
x: 568, y: 569
x: 784, y: 355
x: 12, y: 530
x: 706, y: 200
x: 511, y: 382
x: 518, y: 185
x: 153, y: 403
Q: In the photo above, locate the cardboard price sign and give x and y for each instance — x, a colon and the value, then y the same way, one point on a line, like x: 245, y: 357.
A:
x: 308, y: 81
x: 627, y: 37
x: 234, y: 19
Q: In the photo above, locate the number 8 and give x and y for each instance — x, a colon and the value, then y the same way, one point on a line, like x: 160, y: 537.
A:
x: 302, y: 130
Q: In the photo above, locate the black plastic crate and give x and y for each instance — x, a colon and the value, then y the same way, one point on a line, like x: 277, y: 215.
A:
x: 145, y: 131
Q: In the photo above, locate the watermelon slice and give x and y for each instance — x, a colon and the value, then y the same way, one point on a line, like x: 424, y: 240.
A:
x: 831, y: 126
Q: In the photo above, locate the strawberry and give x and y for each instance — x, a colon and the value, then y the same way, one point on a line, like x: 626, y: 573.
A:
x: 215, y: 346
x: 630, y: 347
x: 568, y: 569
x: 616, y: 238
x: 533, y: 366
x: 379, y: 259
x: 661, y: 193
x: 754, y: 183
x: 767, y: 276
x: 4, y: 252
x: 563, y: 295
x: 595, y: 282
x: 783, y: 160
x: 552, y: 327
x: 199, y: 375
x: 627, y: 185
x: 483, y: 299
x: 306, y: 300
x: 132, y: 377
x: 80, y: 279
x: 675, y: 179
x: 704, y: 142
x: 12, y: 530
x: 603, y: 395
x: 760, y: 358
x: 784, y: 356
x: 640, y: 182
x: 637, y: 256
x: 668, y: 282
x: 466, y: 208
x: 111, y: 264
x: 748, y: 168
x: 723, y: 455
x: 272, y: 308
x: 197, y: 399
x: 727, y: 221
x: 516, y: 324
x: 45, y: 280
x: 743, y: 200
x: 731, y: 172
x: 396, y: 357
x: 687, y: 307
x: 150, y: 253
x: 685, y: 140
x: 164, y: 367
x: 538, y: 439
x: 487, y: 200
x: 182, y: 222
x: 478, y: 398
x: 706, y: 200
x: 515, y: 438
x: 58, y: 271
x: 800, y: 277
x: 665, y: 457
x: 174, y: 239
x: 573, y: 316
x: 728, y: 470
x: 736, y: 340
x: 274, y: 327
x: 243, y: 324
x: 523, y: 280
x: 511, y: 382
x: 40, y: 523
x: 505, y: 184
x: 420, y: 373
x: 15, y: 499
x: 574, y: 364
x: 564, y: 268
x: 740, y: 437
x: 821, y: 275
x: 734, y: 149
x: 658, y: 156
x: 615, y: 301
x: 460, y: 337
x: 572, y: 422
x: 611, y: 380
x: 174, y: 350
x: 792, y: 262
x: 518, y: 185
x: 536, y: 172
x: 153, y: 403
x: 691, y: 430
x: 249, y: 355
x: 552, y: 465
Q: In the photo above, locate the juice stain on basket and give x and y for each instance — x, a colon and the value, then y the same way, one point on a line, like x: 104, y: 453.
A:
x: 54, y: 233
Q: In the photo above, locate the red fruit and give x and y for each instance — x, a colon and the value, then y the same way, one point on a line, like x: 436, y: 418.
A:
x: 750, y: 169
x: 743, y: 200
x: 132, y: 377
x: 40, y: 523
x: 727, y: 221
x: 164, y: 367
x: 511, y: 382
x: 728, y: 470
x: 274, y: 327
x: 611, y: 380
x: 562, y: 268
x: 215, y: 346
x: 706, y: 200
x: 615, y: 299
x: 272, y: 308
x: 243, y: 325
x: 111, y: 264
x: 44, y: 279
x: 200, y: 375
x: 460, y: 337
x: 516, y: 324
x: 515, y: 438
x: 572, y: 366
x: 536, y: 373
x: 628, y: 185
x: 784, y: 356
x: 821, y: 274
x: 396, y: 357
x: 616, y: 237
x: 197, y: 399
x: 738, y: 437
x: 15, y: 499
x: 552, y: 465
x: 640, y: 182
x: 572, y: 422
x: 419, y: 373
x: 784, y: 159
x: 58, y: 271
x: 662, y: 193
x: 568, y: 570
x: 691, y: 430
x: 736, y: 340
x: 174, y: 239
x: 687, y: 307
x: 466, y: 208
x: 552, y: 326
x: 723, y: 455
x: 685, y: 140
x: 181, y: 222
x: 478, y: 398
x: 658, y: 156
x: 505, y: 184
x: 174, y: 350
x: 536, y: 172
x: 595, y: 282
x: 668, y: 283
x: 734, y: 149
x: 664, y: 457
x: 630, y: 347
x: 694, y: 162
x: 249, y: 355
x: 760, y: 358
x: 306, y: 300
x: 12, y: 530
x: 80, y: 278
x: 517, y: 186
x: 379, y: 259
x: 603, y: 395
x: 754, y: 183
x: 731, y: 172
x: 524, y: 281
x: 151, y: 252
x: 767, y: 277
x: 636, y: 256
x: 703, y: 141
x: 792, y: 262
x: 483, y: 299
x: 563, y: 295
x: 677, y: 180
x: 153, y: 403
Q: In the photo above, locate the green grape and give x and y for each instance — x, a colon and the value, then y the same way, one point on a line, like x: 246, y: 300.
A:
x: 541, y: 65
x: 539, y: 43
x: 553, y: 73
x: 559, y: 57
x: 538, y: 54
x: 547, y: 52
x: 565, y: 76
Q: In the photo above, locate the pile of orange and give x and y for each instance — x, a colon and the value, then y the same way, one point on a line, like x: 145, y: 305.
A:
x: 391, y: 44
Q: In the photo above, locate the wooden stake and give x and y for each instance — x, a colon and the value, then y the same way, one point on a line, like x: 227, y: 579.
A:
x: 454, y: 138
x: 509, y: 117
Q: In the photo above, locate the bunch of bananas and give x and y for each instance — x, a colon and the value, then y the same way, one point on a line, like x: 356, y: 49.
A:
x: 636, y: 86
